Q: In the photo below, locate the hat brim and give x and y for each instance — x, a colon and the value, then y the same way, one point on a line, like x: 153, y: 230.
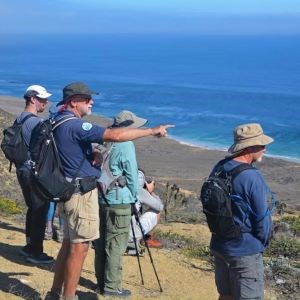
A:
x: 65, y: 100
x: 138, y: 122
x: 44, y: 95
x: 238, y: 146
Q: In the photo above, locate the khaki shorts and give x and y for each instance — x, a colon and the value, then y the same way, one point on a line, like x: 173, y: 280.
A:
x: 81, y: 217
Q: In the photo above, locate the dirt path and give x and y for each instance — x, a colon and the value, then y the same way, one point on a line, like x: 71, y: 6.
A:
x: 180, y: 278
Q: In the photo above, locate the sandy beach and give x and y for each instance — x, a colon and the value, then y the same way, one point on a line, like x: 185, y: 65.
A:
x: 170, y: 161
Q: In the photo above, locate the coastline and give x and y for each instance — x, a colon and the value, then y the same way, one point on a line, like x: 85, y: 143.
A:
x: 169, y: 160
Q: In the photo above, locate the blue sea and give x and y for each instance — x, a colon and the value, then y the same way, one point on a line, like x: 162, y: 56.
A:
x: 205, y: 85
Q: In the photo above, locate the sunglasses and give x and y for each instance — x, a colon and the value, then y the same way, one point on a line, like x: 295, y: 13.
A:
x: 42, y: 100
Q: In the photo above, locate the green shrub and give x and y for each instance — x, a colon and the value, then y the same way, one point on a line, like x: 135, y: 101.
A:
x: 287, y: 247
x: 294, y: 223
x: 188, y: 246
x: 9, y: 207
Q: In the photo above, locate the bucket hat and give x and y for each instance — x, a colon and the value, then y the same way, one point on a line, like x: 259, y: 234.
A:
x: 75, y: 88
x: 128, y: 119
x: 248, y: 135
x: 37, y: 91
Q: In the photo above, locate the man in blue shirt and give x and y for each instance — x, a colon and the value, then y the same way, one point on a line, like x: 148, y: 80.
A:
x: 115, y: 210
x: 238, y: 262
x: 36, y: 98
x: 74, y: 140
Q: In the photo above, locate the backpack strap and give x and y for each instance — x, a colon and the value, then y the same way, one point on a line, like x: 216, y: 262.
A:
x: 21, y: 122
x: 24, y: 119
x: 57, y: 124
x: 61, y: 121
x: 238, y: 169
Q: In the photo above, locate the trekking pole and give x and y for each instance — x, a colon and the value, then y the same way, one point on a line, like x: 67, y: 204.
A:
x: 146, y: 244
x: 137, y: 251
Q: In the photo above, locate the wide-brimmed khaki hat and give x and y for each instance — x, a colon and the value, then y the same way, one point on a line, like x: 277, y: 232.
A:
x: 248, y: 135
x: 128, y: 119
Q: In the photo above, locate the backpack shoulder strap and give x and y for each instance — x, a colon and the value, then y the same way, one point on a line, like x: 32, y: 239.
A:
x: 62, y: 120
x: 238, y: 169
x: 25, y: 118
x: 107, y: 154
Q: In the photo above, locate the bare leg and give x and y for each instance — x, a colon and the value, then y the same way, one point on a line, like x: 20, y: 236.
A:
x: 60, y: 265
x: 73, y: 268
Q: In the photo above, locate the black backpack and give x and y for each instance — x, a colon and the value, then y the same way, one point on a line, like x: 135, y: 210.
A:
x: 216, y: 197
x: 13, y: 144
x: 47, y: 172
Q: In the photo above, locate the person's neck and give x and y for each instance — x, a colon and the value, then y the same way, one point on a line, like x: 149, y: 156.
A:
x: 74, y: 111
x: 244, y: 159
x: 31, y: 110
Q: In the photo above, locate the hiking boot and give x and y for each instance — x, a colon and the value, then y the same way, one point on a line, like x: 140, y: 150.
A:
x: 41, y: 258
x: 52, y: 296
x: 25, y: 251
x: 48, y: 235
x: 117, y: 293
x: 69, y: 298
x: 154, y: 243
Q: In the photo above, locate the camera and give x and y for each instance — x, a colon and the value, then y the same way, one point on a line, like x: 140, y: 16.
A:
x: 148, y: 179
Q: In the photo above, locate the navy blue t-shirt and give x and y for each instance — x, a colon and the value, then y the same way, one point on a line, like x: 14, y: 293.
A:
x: 74, y: 139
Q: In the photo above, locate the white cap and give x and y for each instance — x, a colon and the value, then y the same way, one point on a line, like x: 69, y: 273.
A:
x: 41, y: 91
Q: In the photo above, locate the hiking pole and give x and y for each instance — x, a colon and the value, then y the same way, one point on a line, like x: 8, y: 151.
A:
x: 146, y: 244
x: 137, y: 251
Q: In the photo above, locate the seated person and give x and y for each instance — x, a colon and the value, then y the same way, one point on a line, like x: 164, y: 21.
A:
x: 149, y: 206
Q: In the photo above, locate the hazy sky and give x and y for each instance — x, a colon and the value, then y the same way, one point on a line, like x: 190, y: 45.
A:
x: 150, y: 16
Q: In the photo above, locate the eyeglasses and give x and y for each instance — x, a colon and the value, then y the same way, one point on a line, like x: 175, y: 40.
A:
x: 82, y: 98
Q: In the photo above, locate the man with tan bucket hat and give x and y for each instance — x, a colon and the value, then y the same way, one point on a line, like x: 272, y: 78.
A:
x: 238, y: 257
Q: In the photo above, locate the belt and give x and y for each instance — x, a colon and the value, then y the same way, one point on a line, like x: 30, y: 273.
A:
x: 83, y: 185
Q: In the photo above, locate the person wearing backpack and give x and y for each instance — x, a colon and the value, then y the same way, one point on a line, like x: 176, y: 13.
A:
x: 36, y: 98
x: 239, y: 272
x: 74, y: 141
x: 115, y: 209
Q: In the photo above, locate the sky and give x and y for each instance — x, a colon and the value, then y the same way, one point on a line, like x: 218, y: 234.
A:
x: 150, y: 16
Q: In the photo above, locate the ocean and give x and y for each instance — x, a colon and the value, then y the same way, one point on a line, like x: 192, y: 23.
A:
x: 204, y: 85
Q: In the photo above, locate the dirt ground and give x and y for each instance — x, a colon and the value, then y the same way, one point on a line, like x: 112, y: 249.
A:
x: 180, y: 278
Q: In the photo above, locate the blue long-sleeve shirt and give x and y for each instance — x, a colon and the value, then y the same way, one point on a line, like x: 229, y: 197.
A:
x: 122, y: 161
x: 251, y: 212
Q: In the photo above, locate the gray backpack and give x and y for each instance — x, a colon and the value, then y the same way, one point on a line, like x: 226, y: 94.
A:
x: 107, y: 180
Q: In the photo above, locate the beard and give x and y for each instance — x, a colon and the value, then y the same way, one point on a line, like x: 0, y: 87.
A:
x: 89, y: 112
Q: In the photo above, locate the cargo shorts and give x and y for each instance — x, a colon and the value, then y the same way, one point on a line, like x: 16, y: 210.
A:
x: 81, y: 217
x: 241, y: 277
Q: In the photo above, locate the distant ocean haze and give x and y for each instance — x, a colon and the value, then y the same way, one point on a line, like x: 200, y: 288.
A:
x: 204, y: 85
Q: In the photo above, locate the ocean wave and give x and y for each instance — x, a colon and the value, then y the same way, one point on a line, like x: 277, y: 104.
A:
x: 214, y: 146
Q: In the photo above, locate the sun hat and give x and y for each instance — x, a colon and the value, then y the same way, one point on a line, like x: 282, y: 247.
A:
x: 37, y: 91
x: 128, y: 119
x: 75, y: 88
x: 248, y: 135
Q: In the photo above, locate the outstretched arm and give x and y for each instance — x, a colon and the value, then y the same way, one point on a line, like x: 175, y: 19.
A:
x: 128, y: 134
